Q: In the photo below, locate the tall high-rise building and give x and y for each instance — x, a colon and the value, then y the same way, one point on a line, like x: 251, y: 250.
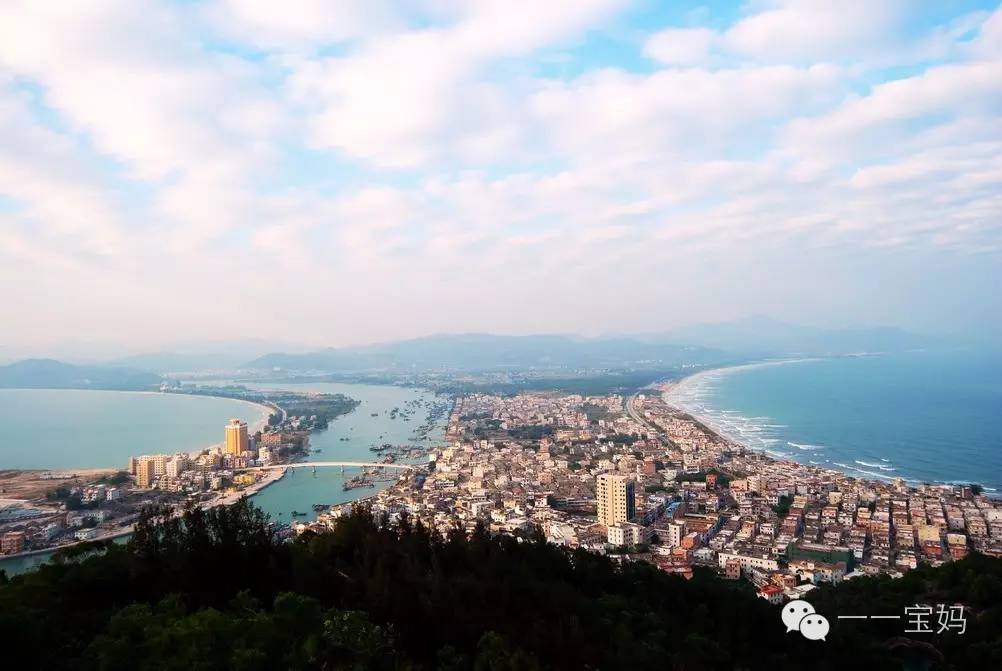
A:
x: 159, y: 464
x: 145, y: 472
x: 236, y: 437
x: 616, y: 502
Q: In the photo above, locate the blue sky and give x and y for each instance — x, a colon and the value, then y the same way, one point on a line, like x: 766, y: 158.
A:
x: 344, y: 171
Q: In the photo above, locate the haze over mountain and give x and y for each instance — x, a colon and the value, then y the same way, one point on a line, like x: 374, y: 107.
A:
x: 707, y: 344
x: 52, y: 374
x: 763, y: 336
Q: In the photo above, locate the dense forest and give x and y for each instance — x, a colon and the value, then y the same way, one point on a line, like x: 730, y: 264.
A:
x: 217, y: 590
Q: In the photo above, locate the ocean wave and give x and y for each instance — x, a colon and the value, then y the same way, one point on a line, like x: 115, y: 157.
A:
x: 970, y: 482
x: 882, y: 467
x: 871, y: 474
x: 805, y: 446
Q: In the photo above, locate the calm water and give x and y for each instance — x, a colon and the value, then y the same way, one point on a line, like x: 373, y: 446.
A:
x: 112, y: 418
x: 300, y: 489
x: 924, y: 417
x: 60, y: 428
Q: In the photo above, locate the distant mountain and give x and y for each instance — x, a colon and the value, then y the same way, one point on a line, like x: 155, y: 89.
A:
x: 171, y: 362
x: 52, y: 374
x: 755, y: 337
x: 200, y: 356
x: 763, y: 336
x: 483, y: 351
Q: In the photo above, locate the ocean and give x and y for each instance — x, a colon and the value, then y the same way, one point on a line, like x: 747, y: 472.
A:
x: 924, y: 417
x: 66, y: 428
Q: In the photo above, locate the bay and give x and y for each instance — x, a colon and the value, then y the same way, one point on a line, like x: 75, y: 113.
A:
x: 70, y: 428
x: 921, y: 416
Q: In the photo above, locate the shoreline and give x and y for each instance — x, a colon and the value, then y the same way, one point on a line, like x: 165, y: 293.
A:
x: 267, y: 480
x: 668, y: 389
x: 227, y: 499
x: 258, y: 425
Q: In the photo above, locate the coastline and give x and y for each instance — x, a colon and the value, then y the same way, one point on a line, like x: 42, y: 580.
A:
x: 671, y: 390
x: 258, y: 425
x: 270, y: 478
x: 267, y: 480
x: 712, y: 423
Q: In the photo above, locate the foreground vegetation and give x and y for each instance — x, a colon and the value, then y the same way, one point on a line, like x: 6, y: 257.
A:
x: 216, y: 590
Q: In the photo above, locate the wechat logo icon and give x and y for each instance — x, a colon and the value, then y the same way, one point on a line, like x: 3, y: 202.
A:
x: 800, y: 616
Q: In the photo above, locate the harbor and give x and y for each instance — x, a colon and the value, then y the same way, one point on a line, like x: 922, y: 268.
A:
x: 372, y: 434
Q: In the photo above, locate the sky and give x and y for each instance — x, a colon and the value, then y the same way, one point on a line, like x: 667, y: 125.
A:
x: 347, y: 171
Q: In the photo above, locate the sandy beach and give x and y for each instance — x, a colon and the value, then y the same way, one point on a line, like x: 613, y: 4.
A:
x: 258, y: 425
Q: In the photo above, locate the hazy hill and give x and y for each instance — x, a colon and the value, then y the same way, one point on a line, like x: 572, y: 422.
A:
x: 205, y: 355
x: 763, y: 336
x: 169, y: 362
x: 52, y: 374
x: 706, y: 344
x: 483, y: 351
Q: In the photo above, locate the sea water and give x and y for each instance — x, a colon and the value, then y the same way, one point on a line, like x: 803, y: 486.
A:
x: 921, y: 416
x: 68, y: 428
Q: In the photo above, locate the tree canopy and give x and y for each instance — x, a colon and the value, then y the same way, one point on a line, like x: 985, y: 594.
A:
x: 217, y: 590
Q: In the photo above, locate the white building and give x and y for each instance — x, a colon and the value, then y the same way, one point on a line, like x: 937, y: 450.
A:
x: 748, y: 562
x: 626, y: 533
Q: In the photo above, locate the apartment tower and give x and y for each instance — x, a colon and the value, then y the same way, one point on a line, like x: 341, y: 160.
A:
x: 616, y: 501
x: 236, y: 437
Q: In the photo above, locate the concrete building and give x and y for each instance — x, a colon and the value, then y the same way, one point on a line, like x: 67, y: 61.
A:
x: 616, y: 500
x: 237, y: 441
x: 12, y: 542
x: 673, y: 534
x: 626, y: 533
x: 177, y: 466
x: 145, y: 473
x: 748, y: 562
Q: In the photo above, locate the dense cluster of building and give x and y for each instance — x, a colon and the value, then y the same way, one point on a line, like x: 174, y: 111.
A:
x: 214, y: 469
x: 208, y: 477
x: 642, y: 481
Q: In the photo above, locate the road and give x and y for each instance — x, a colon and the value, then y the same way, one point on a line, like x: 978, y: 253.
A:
x: 631, y: 411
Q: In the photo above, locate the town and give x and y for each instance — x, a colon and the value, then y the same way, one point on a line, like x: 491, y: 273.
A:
x: 631, y: 477
x: 639, y: 480
x: 106, y: 507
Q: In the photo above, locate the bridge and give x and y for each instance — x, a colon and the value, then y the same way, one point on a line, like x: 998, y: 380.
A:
x: 320, y: 464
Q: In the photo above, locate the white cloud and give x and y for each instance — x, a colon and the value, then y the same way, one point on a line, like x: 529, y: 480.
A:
x: 297, y: 25
x: 681, y: 46
x: 812, y: 30
x: 398, y: 100
x: 351, y: 155
x: 61, y: 202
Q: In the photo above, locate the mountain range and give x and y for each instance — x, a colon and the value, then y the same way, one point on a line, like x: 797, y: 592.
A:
x: 756, y: 337
x: 712, y: 344
x: 52, y: 374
